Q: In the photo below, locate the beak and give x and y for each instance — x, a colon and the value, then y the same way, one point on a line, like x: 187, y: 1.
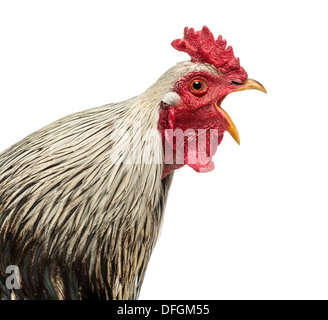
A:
x: 228, y: 123
x: 251, y: 84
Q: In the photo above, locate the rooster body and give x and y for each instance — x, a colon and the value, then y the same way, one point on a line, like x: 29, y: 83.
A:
x: 79, y: 217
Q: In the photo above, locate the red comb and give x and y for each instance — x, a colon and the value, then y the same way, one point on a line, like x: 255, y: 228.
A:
x: 202, y: 47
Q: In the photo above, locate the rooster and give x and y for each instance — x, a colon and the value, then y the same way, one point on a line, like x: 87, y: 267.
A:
x: 82, y: 200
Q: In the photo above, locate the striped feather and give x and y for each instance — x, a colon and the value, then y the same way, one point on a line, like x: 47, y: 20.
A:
x: 78, y: 222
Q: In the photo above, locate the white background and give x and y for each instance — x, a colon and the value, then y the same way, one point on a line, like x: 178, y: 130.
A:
x: 257, y: 226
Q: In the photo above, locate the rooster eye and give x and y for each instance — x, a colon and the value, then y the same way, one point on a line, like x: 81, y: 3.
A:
x: 198, y: 85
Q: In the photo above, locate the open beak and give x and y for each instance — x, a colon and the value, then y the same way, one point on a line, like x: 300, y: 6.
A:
x: 228, y: 123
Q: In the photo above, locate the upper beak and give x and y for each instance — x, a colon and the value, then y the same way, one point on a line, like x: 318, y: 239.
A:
x: 251, y: 84
x: 229, y: 125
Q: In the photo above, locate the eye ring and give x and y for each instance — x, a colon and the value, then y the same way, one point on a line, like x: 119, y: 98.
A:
x: 198, y: 86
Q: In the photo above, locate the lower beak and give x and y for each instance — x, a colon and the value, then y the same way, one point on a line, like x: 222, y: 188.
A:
x: 228, y: 123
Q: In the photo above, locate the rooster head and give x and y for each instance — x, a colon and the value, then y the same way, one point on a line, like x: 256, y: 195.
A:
x: 192, y: 121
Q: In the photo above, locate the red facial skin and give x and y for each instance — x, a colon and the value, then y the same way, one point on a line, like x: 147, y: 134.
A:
x: 196, y: 110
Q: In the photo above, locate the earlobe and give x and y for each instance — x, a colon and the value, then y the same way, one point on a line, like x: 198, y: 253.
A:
x: 171, y: 98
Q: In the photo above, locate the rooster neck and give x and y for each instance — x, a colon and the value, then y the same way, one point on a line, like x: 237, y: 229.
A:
x: 75, y: 217
x: 81, y: 216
